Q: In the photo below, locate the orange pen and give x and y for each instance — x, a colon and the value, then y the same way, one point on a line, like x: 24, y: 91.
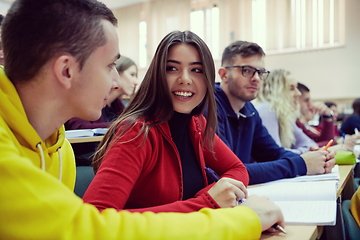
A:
x: 328, y: 145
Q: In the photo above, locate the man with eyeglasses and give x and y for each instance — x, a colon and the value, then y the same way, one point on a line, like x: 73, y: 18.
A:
x: 239, y: 124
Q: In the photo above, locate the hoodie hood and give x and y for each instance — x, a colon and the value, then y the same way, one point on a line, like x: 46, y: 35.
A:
x: 13, y: 113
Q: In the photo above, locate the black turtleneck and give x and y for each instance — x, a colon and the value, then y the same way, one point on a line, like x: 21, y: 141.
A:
x: 193, y: 180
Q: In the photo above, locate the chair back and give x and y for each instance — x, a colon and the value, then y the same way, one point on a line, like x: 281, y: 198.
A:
x: 352, y: 230
x: 84, y: 176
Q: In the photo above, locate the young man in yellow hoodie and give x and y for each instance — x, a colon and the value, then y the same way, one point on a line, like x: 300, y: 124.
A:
x: 59, y: 64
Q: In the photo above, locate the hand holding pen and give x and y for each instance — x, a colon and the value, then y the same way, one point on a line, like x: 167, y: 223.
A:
x: 270, y: 214
x: 227, y: 192
x: 260, y: 205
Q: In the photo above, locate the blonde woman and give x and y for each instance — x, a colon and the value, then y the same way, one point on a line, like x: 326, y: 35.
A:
x: 279, y: 107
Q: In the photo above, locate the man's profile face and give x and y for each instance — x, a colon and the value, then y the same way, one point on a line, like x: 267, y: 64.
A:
x: 306, y: 106
x: 97, y: 78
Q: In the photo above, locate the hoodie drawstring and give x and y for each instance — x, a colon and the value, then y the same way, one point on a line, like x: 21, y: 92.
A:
x: 60, y: 164
x: 41, y: 156
x: 41, y: 152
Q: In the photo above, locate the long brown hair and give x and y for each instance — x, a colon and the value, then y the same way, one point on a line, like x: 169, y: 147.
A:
x: 152, y: 102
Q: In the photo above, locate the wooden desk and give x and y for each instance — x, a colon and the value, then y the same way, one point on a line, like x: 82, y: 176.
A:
x: 312, y: 232
x: 85, y: 139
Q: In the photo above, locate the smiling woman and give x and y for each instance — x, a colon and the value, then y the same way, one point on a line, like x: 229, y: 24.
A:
x: 159, y: 146
x: 185, y: 78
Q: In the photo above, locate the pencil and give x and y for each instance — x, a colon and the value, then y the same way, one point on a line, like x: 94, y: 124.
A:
x: 328, y: 144
x: 279, y: 228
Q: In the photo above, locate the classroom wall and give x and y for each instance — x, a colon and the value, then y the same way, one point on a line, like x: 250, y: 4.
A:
x: 329, y: 73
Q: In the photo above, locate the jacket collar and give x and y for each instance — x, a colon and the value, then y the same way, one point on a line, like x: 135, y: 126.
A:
x: 247, y: 111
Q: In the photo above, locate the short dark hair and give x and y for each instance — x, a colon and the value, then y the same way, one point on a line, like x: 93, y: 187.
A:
x: 330, y: 104
x: 356, y: 106
x: 34, y: 31
x: 240, y: 48
x: 302, y: 88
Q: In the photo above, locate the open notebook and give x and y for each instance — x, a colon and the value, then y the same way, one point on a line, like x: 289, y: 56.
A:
x: 304, y: 202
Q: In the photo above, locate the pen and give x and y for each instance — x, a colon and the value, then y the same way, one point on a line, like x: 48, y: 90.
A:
x: 356, y: 130
x: 213, y: 175
x: 343, y: 138
x: 278, y: 227
x: 328, y: 144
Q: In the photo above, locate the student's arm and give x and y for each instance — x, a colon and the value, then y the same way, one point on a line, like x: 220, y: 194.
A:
x: 323, y: 137
x: 226, y: 163
x: 327, y: 132
x: 302, y: 142
x: 271, y: 161
x: 36, y: 205
x: 141, y: 176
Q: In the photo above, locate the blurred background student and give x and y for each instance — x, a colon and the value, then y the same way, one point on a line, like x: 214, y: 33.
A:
x: 128, y: 71
x: 308, y: 111
x: 352, y: 123
x: 279, y: 108
x: 328, y: 116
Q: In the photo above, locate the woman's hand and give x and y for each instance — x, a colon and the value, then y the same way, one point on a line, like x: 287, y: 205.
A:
x: 227, y: 192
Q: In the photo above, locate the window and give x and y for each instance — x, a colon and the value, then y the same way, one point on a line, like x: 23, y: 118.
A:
x: 205, y: 23
x: 142, y: 44
x: 297, y: 25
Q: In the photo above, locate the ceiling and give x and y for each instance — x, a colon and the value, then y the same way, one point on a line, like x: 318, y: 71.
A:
x: 112, y: 4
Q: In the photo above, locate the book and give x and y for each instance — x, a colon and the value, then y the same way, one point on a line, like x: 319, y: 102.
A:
x: 85, y: 132
x: 334, y: 175
x: 302, y: 203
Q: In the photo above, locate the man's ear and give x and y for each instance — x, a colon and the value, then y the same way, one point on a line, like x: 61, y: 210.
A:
x: 64, y: 70
x: 223, y: 74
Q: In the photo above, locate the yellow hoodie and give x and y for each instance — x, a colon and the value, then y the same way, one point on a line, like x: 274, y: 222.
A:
x: 37, y: 200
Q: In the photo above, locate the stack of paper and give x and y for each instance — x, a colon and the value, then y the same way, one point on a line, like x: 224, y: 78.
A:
x: 85, y: 132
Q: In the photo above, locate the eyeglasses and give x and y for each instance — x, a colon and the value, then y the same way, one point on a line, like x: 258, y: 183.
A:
x: 249, y: 71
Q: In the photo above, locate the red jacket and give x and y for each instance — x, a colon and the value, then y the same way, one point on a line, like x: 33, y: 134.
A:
x: 140, y: 176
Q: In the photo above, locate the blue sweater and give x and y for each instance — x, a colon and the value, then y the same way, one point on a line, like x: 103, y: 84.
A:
x: 349, y: 125
x: 250, y: 141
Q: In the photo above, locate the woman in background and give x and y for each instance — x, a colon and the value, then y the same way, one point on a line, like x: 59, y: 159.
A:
x: 153, y: 156
x: 279, y: 108
x: 127, y: 83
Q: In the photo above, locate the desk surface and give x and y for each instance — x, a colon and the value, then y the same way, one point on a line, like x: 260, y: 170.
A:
x: 85, y: 139
x: 311, y: 232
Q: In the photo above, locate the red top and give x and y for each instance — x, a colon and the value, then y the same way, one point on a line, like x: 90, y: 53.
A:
x: 145, y: 175
x: 322, y: 137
